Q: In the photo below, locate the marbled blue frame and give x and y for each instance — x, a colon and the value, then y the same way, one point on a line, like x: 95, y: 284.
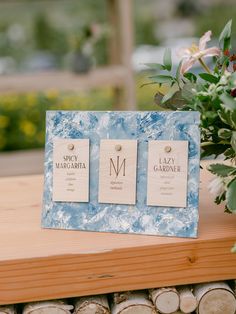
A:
x: 140, y: 218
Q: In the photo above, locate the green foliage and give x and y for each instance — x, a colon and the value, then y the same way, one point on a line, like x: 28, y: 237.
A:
x: 155, y: 66
x: 172, y: 91
x: 214, y: 17
x: 145, y: 29
x: 162, y: 79
x: 230, y: 196
x: 48, y: 26
x: 213, y: 94
x: 49, y: 38
x: 209, y: 78
x: 224, y: 133
x: 167, y: 59
x: 43, y: 32
x: 233, y: 141
x: 187, y: 8
x: 228, y: 103
x: 22, y: 117
x: 191, y: 77
x: 222, y: 170
x: 224, y: 39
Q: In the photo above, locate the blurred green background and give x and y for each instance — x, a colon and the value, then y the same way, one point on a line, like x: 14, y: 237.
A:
x: 42, y: 35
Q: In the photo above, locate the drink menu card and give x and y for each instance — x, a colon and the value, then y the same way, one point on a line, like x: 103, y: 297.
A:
x: 124, y: 172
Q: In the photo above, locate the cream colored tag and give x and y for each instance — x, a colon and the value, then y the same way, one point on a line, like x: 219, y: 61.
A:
x: 117, y: 171
x: 71, y: 170
x: 167, y: 173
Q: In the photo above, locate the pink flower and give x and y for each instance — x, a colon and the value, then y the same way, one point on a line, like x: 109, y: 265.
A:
x: 194, y: 53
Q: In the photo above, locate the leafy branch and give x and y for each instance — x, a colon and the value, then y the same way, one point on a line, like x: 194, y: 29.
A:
x: 213, y: 94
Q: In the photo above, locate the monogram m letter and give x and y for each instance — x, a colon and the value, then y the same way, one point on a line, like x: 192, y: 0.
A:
x: 117, y: 168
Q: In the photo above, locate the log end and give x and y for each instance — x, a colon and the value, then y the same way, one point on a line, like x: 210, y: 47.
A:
x: 92, y: 308
x: 188, y: 304
x: 167, y: 302
x: 217, y: 301
x: 138, y: 309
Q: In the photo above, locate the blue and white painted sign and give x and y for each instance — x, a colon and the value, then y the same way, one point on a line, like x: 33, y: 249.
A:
x: 124, y: 172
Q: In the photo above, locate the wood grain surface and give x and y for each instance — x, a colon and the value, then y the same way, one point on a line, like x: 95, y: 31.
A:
x: 39, y: 264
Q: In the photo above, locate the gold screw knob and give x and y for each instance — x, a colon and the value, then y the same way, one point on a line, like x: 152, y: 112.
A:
x: 118, y: 147
x: 71, y: 146
x: 167, y: 149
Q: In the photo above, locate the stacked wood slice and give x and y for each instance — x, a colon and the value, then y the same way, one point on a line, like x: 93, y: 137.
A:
x: 48, y: 307
x: 207, y: 298
x: 91, y: 305
x: 188, y: 301
x: 135, y: 302
x: 215, y: 297
x: 166, y: 300
x: 10, y: 309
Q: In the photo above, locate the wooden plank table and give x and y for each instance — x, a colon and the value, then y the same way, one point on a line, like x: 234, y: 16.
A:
x: 37, y: 264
